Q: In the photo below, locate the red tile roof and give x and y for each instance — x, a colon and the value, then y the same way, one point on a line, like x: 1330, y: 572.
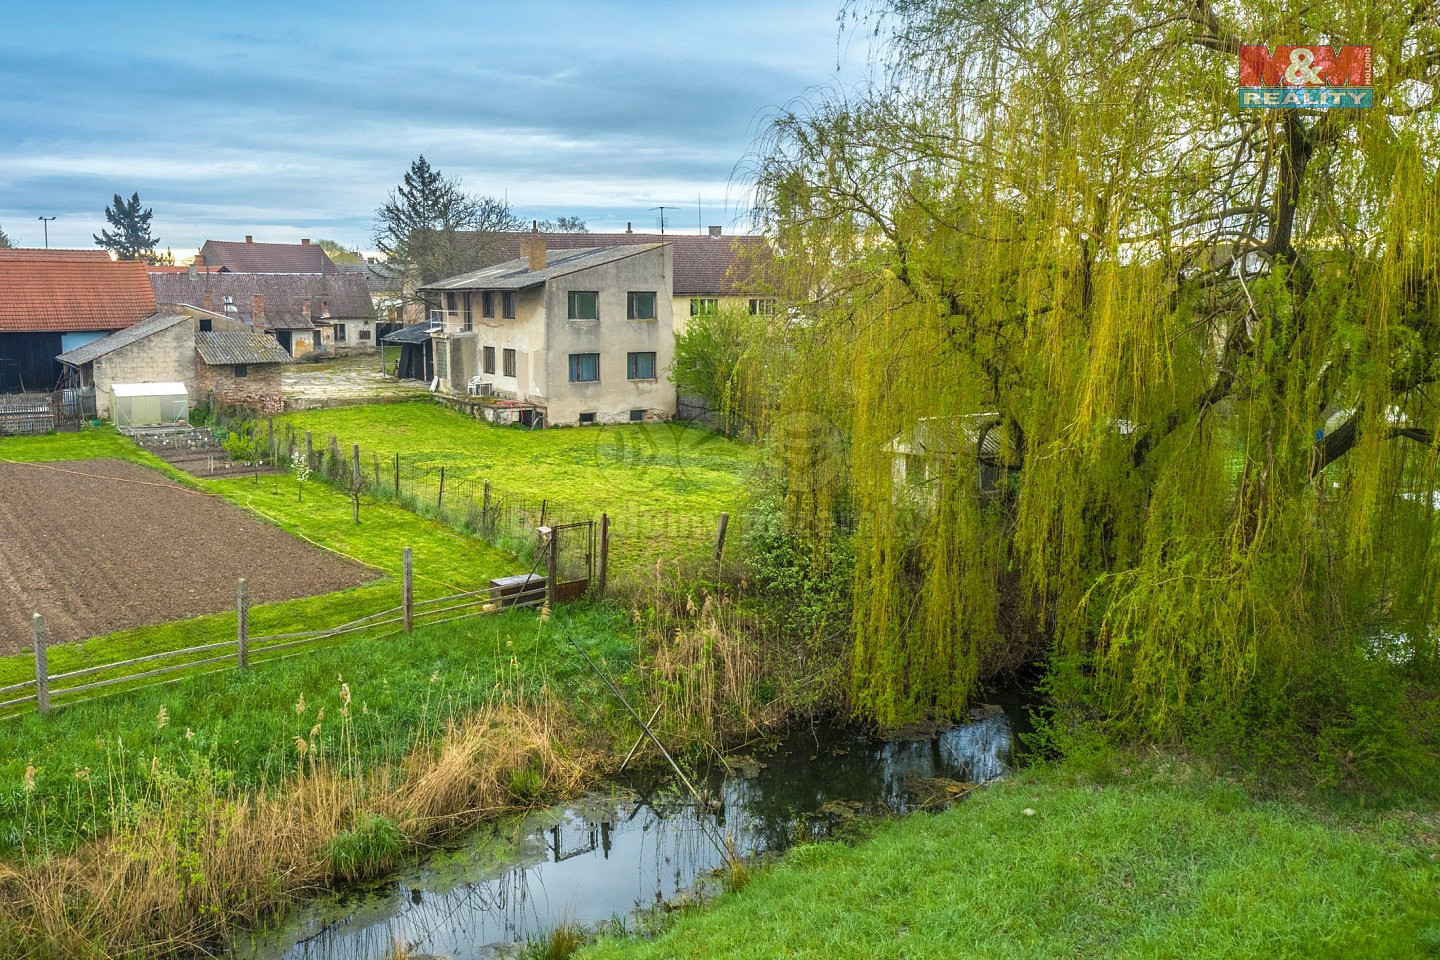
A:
x: 248, y: 257
x: 62, y: 290
x: 704, y: 266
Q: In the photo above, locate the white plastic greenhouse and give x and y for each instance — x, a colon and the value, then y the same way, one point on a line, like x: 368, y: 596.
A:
x: 148, y: 404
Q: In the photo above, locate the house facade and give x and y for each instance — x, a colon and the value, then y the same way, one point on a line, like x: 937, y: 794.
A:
x: 712, y: 271
x: 573, y: 336
x: 57, y: 300
x: 310, y: 314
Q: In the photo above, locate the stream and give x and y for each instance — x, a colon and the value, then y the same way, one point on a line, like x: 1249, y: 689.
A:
x: 619, y: 851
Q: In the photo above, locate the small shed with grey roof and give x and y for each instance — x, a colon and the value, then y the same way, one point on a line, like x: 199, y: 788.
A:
x: 240, y: 368
x: 158, y: 349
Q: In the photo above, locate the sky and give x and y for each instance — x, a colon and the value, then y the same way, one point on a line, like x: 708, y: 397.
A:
x: 291, y: 120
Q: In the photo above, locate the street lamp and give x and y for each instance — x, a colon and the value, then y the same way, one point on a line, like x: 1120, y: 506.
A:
x: 46, y: 222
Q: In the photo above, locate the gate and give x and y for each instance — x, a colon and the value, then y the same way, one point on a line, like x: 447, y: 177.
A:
x: 570, y: 559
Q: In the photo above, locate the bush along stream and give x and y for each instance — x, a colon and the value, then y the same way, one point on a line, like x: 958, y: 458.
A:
x: 642, y: 842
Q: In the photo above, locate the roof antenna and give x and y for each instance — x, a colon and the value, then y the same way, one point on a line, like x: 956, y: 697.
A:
x: 662, y: 217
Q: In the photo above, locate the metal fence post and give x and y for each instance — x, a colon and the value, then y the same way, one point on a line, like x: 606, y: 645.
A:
x: 551, y: 580
x: 42, y: 672
x: 242, y: 623
x: 407, y: 597
x: 440, y: 499
x: 720, y: 535
x: 604, y: 552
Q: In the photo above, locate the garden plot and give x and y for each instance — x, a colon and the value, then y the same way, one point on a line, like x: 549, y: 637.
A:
x: 103, y: 545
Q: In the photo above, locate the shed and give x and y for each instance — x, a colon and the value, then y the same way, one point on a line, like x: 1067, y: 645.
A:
x: 148, y: 404
x: 417, y: 352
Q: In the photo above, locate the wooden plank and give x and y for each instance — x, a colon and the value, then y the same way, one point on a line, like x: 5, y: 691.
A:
x: 242, y: 623
x: 42, y: 674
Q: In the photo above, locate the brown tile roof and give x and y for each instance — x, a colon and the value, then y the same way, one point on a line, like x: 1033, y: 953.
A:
x: 245, y: 257
x: 62, y: 290
x: 704, y: 266
x: 344, y: 295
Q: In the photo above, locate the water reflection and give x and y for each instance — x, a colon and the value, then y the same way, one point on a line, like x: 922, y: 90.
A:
x: 615, y: 852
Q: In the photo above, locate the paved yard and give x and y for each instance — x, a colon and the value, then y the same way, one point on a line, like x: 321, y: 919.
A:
x: 350, y: 379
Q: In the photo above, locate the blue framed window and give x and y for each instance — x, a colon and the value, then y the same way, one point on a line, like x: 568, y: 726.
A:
x: 584, y: 367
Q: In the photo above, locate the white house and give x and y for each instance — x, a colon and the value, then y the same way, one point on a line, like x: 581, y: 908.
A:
x: 573, y: 336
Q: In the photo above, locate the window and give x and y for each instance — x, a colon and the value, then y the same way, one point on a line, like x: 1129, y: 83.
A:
x: 637, y: 416
x: 507, y: 359
x: 762, y: 306
x: 584, y: 367
x: 487, y: 303
x: 241, y: 370
x: 584, y: 305
x: 450, y: 305
x: 468, y: 322
x: 586, y: 419
x: 339, y: 333
x: 507, y: 304
x: 704, y: 306
x: 489, y: 360
x: 204, y: 324
x: 364, y: 334
x: 640, y: 305
x: 640, y: 366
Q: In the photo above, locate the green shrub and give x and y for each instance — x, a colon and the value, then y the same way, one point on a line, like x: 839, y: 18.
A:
x: 374, y: 845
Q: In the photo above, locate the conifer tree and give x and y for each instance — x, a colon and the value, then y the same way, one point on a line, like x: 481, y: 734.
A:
x: 131, y: 239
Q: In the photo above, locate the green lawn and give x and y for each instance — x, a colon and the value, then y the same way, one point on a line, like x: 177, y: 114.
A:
x: 1046, y: 866
x: 664, y: 485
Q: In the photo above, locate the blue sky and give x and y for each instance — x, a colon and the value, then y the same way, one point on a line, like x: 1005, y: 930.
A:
x: 289, y: 120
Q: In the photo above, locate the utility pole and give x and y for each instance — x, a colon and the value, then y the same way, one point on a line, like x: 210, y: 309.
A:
x: 46, y: 222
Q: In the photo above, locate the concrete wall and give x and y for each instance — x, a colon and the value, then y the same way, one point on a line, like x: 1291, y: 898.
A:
x: 359, y: 336
x: 613, y: 337
x: 260, y: 388
x: 164, y: 357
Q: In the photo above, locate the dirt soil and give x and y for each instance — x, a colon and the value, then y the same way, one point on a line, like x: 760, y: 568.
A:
x: 103, y: 545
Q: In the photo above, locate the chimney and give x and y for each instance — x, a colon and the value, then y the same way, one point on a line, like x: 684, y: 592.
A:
x: 627, y: 227
x: 257, y: 308
x: 249, y: 238
x: 304, y: 241
x: 532, y: 248
x: 208, y: 301
x: 305, y: 308
x: 193, y: 272
x: 714, y: 231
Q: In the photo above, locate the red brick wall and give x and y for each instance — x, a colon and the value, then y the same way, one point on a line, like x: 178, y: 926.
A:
x: 260, y: 390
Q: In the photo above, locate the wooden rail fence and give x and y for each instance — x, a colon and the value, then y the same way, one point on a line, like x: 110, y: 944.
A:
x: 246, y: 651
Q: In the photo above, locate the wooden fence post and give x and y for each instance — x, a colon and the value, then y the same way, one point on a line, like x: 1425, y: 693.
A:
x: 720, y: 535
x: 270, y: 438
x: 551, y: 581
x: 604, y: 553
x: 407, y: 596
x: 42, y: 672
x: 309, y: 450
x: 440, y: 499
x: 242, y: 623
x: 543, y: 504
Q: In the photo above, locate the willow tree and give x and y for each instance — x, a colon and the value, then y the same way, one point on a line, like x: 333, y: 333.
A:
x: 1160, y: 368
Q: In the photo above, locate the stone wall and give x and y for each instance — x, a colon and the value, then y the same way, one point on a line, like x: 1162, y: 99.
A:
x: 258, y: 389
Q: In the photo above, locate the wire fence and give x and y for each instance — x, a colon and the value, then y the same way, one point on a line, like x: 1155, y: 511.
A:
x: 452, y: 494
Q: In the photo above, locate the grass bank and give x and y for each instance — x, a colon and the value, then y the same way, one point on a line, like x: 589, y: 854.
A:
x: 1158, y: 862
x: 663, y: 484
x: 160, y: 820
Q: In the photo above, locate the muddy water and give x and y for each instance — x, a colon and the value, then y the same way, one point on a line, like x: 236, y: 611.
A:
x: 619, y: 851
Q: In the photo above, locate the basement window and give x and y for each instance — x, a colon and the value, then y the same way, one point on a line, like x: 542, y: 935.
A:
x: 586, y: 419
x: 637, y: 416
